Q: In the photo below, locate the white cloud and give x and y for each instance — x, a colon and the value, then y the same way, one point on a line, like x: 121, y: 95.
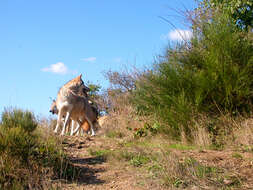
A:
x: 89, y: 59
x: 58, y: 68
x: 178, y: 35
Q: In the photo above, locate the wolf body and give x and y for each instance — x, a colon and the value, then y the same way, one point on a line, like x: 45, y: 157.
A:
x: 84, y: 124
x: 93, y: 116
x: 72, y: 103
x: 54, y: 110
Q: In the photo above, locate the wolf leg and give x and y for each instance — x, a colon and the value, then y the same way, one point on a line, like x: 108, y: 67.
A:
x: 60, y: 114
x: 76, y: 129
x: 65, y: 123
x: 81, y: 132
x: 72, y: 127
x: 91, y: 126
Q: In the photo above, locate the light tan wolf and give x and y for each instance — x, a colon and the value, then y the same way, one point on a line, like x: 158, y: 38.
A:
x: 84, y: 124
x: 71, y: 105
x: 54, y: 110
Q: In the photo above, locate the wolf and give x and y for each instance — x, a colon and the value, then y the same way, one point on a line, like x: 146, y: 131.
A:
x: 53, y: 110
x: 93, y: 115
x: 71, y: 104
x: 100, y: 121
x: 84, y: 124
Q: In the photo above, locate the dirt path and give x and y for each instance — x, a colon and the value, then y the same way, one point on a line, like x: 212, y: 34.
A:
x: 98, y: 173
x: 95, y: 172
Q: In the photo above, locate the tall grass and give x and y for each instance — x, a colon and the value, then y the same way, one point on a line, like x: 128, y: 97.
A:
x: 209, y: 74
x: 28, y: 159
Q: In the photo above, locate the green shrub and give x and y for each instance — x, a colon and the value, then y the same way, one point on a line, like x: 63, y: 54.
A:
x: 17, y: 118
x: 209, y: 74
x: 27, y: 158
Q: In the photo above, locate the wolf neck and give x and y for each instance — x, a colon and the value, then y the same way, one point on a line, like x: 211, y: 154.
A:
x: 66, y: 92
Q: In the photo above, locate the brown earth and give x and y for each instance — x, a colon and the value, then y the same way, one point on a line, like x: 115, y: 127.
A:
x: 98, y: 173
x: 95, y: 173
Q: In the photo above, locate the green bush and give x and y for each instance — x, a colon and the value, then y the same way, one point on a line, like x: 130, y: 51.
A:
x: 17, y: 118
x: 28, y: 159
x: 209, y: 74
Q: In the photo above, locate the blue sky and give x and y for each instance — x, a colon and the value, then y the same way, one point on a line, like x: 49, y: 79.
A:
x: 45, y: 43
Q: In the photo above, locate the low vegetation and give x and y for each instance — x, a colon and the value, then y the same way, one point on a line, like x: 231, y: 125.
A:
x: 210, y: 76
x: 30, y: 158
x: 160, y: 164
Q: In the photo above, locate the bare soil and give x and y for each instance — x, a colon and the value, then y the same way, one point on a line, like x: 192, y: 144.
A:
x: 98, y: 173
x: 95, y: 172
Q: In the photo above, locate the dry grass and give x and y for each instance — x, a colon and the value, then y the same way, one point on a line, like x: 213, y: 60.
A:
x: 160, y: 162
x: 207, y: 131
x: 223, y: 131
x: 244, y: 133
x: 122, y: 120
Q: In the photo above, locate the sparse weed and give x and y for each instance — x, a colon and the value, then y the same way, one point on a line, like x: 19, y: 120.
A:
x: 180, y: 147
x: 198, y: 170
x: 114, y: 134
x: 99, y: 153
x: 237, y: 155
x: 146, y: 130
x: 248, y: 148
x: 139, y: 160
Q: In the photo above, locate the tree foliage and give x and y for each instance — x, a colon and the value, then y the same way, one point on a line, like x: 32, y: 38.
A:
x: 240, y: 10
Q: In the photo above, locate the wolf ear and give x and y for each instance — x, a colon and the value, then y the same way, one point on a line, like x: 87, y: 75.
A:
x: 80, y: 76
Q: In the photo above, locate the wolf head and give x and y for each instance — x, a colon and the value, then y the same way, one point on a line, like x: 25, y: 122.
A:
x: 53, y: 108
x: 77, y: 86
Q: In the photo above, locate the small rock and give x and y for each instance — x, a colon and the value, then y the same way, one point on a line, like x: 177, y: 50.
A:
x: 227, y: 181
